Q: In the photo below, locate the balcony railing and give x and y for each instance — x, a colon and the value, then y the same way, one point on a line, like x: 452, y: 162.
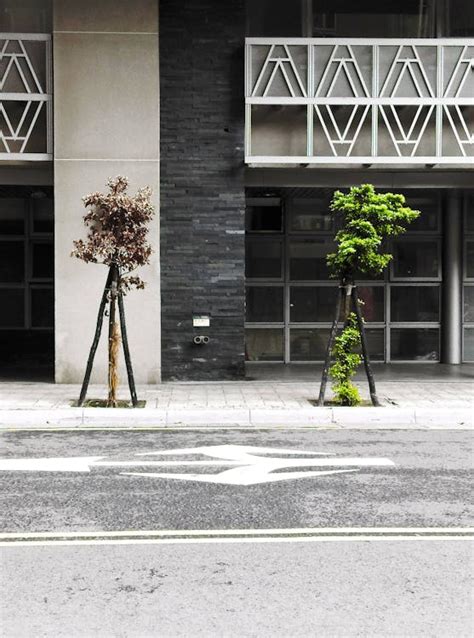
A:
x: 25, y: 97
x: 358, y: 101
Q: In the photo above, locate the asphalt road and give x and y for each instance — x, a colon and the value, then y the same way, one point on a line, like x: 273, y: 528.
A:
x: 98, y: 584
x: 427, y: 485
x: 377, y: 589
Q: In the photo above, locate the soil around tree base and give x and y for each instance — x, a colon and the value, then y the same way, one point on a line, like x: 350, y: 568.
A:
x: 102, y: 403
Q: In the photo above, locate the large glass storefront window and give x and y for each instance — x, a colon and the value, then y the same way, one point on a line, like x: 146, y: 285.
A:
x: 291, y: 299
x: 26, y: 281
x: 468, y: 286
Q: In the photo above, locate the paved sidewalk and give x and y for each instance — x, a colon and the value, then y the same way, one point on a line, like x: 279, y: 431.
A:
x: 433, y: 403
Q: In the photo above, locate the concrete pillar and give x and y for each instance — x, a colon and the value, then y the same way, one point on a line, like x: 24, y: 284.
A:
x: 451, y: 293
x: 106, y: 123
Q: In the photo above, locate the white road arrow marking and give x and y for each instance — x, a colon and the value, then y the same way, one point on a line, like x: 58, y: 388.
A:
x: 250, y: 466
x: 71, y: 464
x: 248, y: 475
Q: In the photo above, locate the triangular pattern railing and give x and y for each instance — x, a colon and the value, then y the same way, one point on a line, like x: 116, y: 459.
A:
x: 368, y: 101
x: 25, y: 97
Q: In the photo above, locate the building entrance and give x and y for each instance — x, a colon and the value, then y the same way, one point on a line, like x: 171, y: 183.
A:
x: 26, y: 282
x: 290, y: 299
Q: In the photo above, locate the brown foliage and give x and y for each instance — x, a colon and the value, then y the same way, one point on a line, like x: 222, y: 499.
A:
x: 118, y: 230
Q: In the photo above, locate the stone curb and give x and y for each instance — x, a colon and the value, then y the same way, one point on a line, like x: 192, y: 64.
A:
x: 330, y: 417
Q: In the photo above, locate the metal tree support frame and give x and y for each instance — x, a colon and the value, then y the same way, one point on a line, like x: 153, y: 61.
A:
x: 25, y: 97
x: 367, y: 101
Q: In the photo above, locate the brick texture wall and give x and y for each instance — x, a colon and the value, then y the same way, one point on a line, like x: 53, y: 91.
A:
x: 202, y: 187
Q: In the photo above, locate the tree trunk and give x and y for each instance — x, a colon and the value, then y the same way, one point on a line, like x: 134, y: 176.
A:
x: 348, y: 288
x: 365, y: 351
x: 95, y: 342
x: 114, y: 340
x: 332, y: 336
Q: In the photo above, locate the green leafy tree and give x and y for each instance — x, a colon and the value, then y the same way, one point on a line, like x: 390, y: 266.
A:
x: 367, y: 219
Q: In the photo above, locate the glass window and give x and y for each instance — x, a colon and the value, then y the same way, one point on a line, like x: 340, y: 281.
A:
x: 12, y: 216
x: 263, y: 259
x: 264, y: 344
x: 43, y: 260
x: 374, y: 18
x: 414, y: 344
x: 470, y: 259
x: 469, y: 303
x: 264, y: 303
x: 468, y: 344
x: 312, y: 304
x: 26, y: 17
x: 311, y: 344
x: 43, y: 217
x: 414, y: 303
x: 308, y: 259
x: 264, y: 216
x: 310, y: 215
x: 461, y: 18
x: 373, y: 302
x: 273, y: 18
x: 376, y: 343
x: 12, y: 303
x: 42, y: 307
x: 470, y: 215
x: 12, y: 261
x: 308, y: 345
x: 428, y: 221
x: 417, y: 259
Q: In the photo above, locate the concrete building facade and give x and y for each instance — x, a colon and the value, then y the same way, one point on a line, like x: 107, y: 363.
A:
x: 243, y: 117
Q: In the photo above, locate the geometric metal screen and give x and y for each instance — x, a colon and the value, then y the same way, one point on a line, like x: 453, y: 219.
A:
x: 25, y: 97
x: 359, y: 101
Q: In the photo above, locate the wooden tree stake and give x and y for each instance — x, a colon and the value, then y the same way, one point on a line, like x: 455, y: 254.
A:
x: 126, y: 351
x: 332, y: 336
x: 115, y: 336
x: 95, y: 342
x: 365, y: 350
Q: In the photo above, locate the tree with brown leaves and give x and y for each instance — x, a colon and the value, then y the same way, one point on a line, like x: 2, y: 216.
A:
x: 117, y: 237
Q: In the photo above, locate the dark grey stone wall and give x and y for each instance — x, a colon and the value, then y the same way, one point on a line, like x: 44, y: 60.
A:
x: 202, y: 186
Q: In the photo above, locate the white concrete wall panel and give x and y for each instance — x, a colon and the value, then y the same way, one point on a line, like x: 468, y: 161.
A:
x: 106, y: 122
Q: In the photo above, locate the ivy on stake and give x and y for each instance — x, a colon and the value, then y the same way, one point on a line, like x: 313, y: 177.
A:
x: 117, y: 237
x: 367, y: 219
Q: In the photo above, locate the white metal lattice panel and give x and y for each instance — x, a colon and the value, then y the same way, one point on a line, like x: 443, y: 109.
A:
x: 25, y: 97
x: 366, y: 101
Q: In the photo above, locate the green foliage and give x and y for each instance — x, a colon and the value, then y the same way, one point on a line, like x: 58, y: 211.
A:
x: 347, y: 394
x: 346, y: 362
x: 368, y: 218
